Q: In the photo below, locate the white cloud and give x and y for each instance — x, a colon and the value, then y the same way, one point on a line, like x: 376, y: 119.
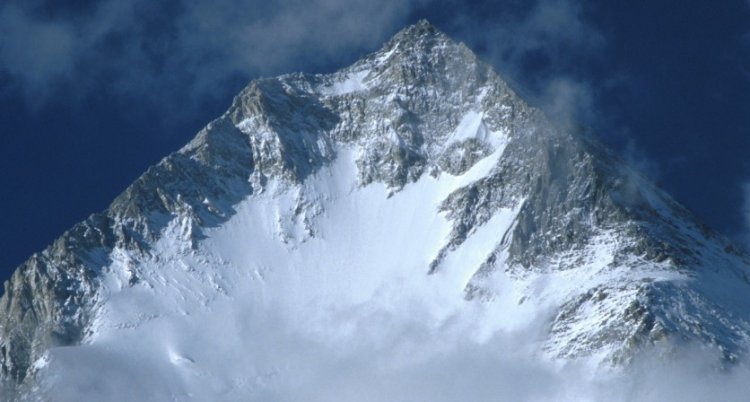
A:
x: 174, y: 58
x: 188, y: 51
x: 34, y: 52
x: 539, y: 50
x: 553, y: 28
x: 409, y: 362
x: 567, y: 101
x: 192, y: 48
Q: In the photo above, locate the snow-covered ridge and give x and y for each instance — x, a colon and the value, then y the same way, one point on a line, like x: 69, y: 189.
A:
x: 407, y: 203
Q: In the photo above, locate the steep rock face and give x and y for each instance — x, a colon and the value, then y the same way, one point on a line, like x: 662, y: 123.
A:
x: 615, y: 263
x: 46, y: 301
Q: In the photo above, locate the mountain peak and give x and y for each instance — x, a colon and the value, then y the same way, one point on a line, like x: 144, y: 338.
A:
x: 420, y: 29
x: 424, y: 38
x: 415, y: 183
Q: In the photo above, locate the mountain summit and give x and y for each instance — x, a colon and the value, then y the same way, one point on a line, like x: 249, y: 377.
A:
x: 401, y: 206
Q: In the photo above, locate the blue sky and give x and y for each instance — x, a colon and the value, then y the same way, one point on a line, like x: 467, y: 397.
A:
x: 93, y: 92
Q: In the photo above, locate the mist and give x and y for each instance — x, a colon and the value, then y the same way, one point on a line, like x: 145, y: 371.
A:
x: 281, y: 362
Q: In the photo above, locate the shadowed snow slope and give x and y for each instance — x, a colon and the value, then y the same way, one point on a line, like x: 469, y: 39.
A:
x: 404, y: 229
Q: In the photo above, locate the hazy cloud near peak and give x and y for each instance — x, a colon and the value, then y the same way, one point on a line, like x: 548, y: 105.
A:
x: 34, y: 52
x: 186, y: 49
x: 191, y: 50
x: 568, y: 101
x: 552, y: 30
x: 544, y: 44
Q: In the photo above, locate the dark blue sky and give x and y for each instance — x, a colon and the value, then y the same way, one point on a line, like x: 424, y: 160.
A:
x: 93, y: 92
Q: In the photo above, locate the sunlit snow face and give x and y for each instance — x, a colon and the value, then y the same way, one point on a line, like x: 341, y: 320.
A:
x: 268, y: 309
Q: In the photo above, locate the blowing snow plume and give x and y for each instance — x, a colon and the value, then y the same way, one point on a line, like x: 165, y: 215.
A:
x: 406, y: 228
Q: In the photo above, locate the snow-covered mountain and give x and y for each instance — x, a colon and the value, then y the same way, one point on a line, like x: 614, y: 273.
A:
x: 401, y: 209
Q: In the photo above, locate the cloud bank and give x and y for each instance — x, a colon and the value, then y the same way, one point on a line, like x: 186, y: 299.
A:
x: 264, y: 358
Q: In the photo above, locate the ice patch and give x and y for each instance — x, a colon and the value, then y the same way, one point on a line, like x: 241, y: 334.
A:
x: 472, y: 126
x: 352, y: 82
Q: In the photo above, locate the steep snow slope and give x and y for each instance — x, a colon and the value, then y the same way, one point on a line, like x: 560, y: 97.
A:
x: 369, y: 222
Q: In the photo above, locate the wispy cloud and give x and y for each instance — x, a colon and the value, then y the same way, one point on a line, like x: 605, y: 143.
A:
x: 187, y: 49
x: 547, y: 49
x: 541, y: 47
x: 567, y: 101
x: 544, y: 36
x: 182, y: 52
x: 35, y: 53
x: 390, y: 358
